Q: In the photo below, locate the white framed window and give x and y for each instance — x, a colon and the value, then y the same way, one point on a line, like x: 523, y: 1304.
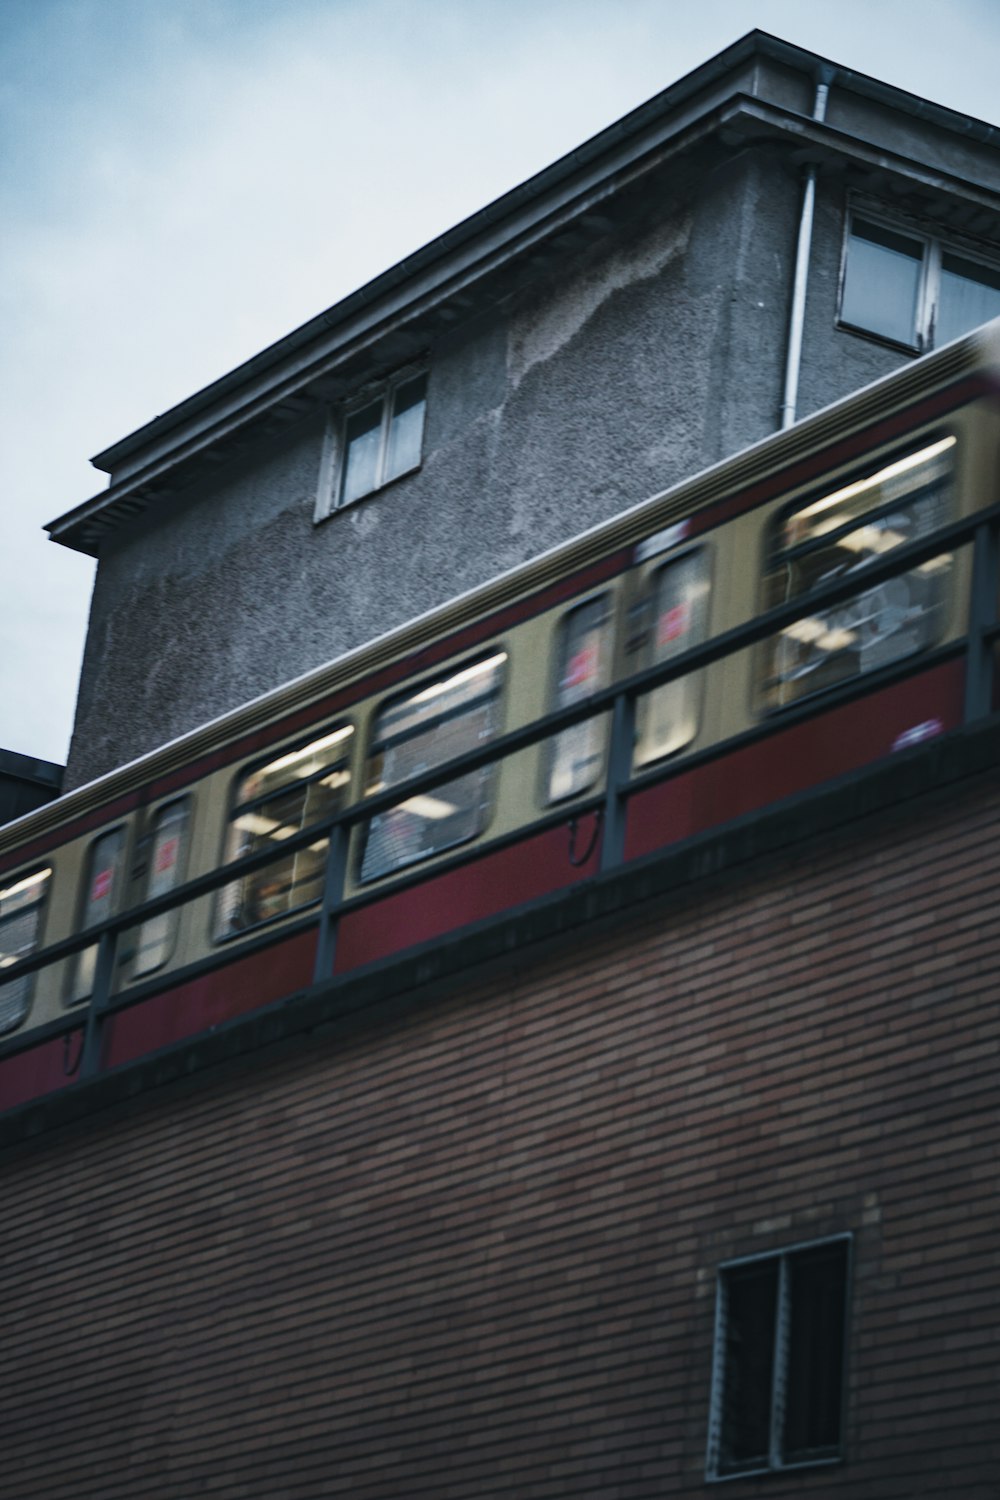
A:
x: 372, y: 441
x: 779, y: 1360
x: 911, y: 287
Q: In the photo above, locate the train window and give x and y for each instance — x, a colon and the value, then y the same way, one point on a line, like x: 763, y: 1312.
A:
x: 22, y: 905
x: 441, y: 719
x: 837, y: 534
x: 582, y: 665
x: 273, y: 802
x: 104, y: 873
x: 167, y: 839
x: 668, y: 716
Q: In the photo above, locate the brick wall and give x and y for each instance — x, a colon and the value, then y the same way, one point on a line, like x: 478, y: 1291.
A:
x: 470, y: 1251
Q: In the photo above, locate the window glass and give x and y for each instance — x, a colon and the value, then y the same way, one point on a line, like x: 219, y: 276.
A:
x: 166, y: 862
x: 748, y: 1377
x: 817, y: 1293
x: 274, y: 801
x: 104, y: 877
x: 406, y: 428
x: 384, y: 439
x: 668, y: 716
x: 837, y: 534
x: 777, y: 1383
x: 22, y: 905
x: 362, y: 441
x: 969, y: 295
x: 882, y: 282
x: 583, y: 664
x: 446, y: 717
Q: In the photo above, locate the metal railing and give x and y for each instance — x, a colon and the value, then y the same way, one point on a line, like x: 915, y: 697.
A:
x: 608, y: 805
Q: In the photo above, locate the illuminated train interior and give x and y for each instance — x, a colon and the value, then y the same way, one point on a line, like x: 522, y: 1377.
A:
x: 799, y: 611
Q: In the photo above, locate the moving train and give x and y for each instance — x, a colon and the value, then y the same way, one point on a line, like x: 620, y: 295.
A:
x: 726, y: 644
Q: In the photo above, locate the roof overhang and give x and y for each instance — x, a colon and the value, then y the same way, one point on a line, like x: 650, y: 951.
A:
x: 395, y: 316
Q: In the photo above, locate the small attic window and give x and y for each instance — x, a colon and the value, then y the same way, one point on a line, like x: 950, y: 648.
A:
x: 374, y: 440
x: 780, y: 1350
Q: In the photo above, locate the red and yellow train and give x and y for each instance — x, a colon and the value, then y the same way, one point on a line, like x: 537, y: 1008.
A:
x: 782, y: 619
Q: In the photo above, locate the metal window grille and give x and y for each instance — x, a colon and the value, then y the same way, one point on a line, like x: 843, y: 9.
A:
x: 779, y: 1361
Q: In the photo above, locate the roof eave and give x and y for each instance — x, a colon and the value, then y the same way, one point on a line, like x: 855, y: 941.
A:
x: 497, y: 231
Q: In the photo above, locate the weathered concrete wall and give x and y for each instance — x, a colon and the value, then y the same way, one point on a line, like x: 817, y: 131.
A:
x: 574, y: 398
x: 470, y: 1250
x: 645, y: 359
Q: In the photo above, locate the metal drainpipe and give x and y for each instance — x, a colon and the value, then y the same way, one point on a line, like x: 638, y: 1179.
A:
x: 793, y: 358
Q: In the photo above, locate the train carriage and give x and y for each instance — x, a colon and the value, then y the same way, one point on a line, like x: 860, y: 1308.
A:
x: 811, y: 605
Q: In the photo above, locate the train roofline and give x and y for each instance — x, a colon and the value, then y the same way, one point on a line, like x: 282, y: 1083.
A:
x: 977, y: 352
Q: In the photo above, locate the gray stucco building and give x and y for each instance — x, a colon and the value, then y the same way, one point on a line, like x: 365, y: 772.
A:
x: 623, y: 319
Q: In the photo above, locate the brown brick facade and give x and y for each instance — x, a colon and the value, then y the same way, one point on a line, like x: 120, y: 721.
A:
x: 470, y: 1250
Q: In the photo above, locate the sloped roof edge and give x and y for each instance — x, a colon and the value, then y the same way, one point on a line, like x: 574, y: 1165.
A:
x: 537, y: 196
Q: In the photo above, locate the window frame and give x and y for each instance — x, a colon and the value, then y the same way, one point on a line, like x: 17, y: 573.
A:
x: 780, y: 1356
x: 772, y: 555
x: 607, y: 597
x: 376, y: 743
x: 119, y: 888
x: 236, y: 808
x: 36, y: 873
x: 333, y: 463
x: 645, y: 755
x: 148, y: 843
x: 935, y: 246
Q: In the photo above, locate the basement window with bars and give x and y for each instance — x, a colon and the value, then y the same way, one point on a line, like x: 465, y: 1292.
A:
x: 912, y: 288
x: 779, y: 1361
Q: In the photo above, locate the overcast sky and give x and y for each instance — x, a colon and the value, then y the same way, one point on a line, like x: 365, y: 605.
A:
x: 184, y: 181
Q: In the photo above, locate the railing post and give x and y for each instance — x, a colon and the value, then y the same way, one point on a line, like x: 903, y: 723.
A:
x: 104, y: 973
x: 620, y: 750
x: 982, y: 614
x: 334, y: 880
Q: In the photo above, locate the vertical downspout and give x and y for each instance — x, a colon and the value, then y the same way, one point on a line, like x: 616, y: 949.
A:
x: 793, y: 358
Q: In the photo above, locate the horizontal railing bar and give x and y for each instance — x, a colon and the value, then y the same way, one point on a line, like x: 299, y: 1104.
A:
x: 258, y: 938
x: 263, y: 936
x: 75, y: 1017
x: 739, y: 637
